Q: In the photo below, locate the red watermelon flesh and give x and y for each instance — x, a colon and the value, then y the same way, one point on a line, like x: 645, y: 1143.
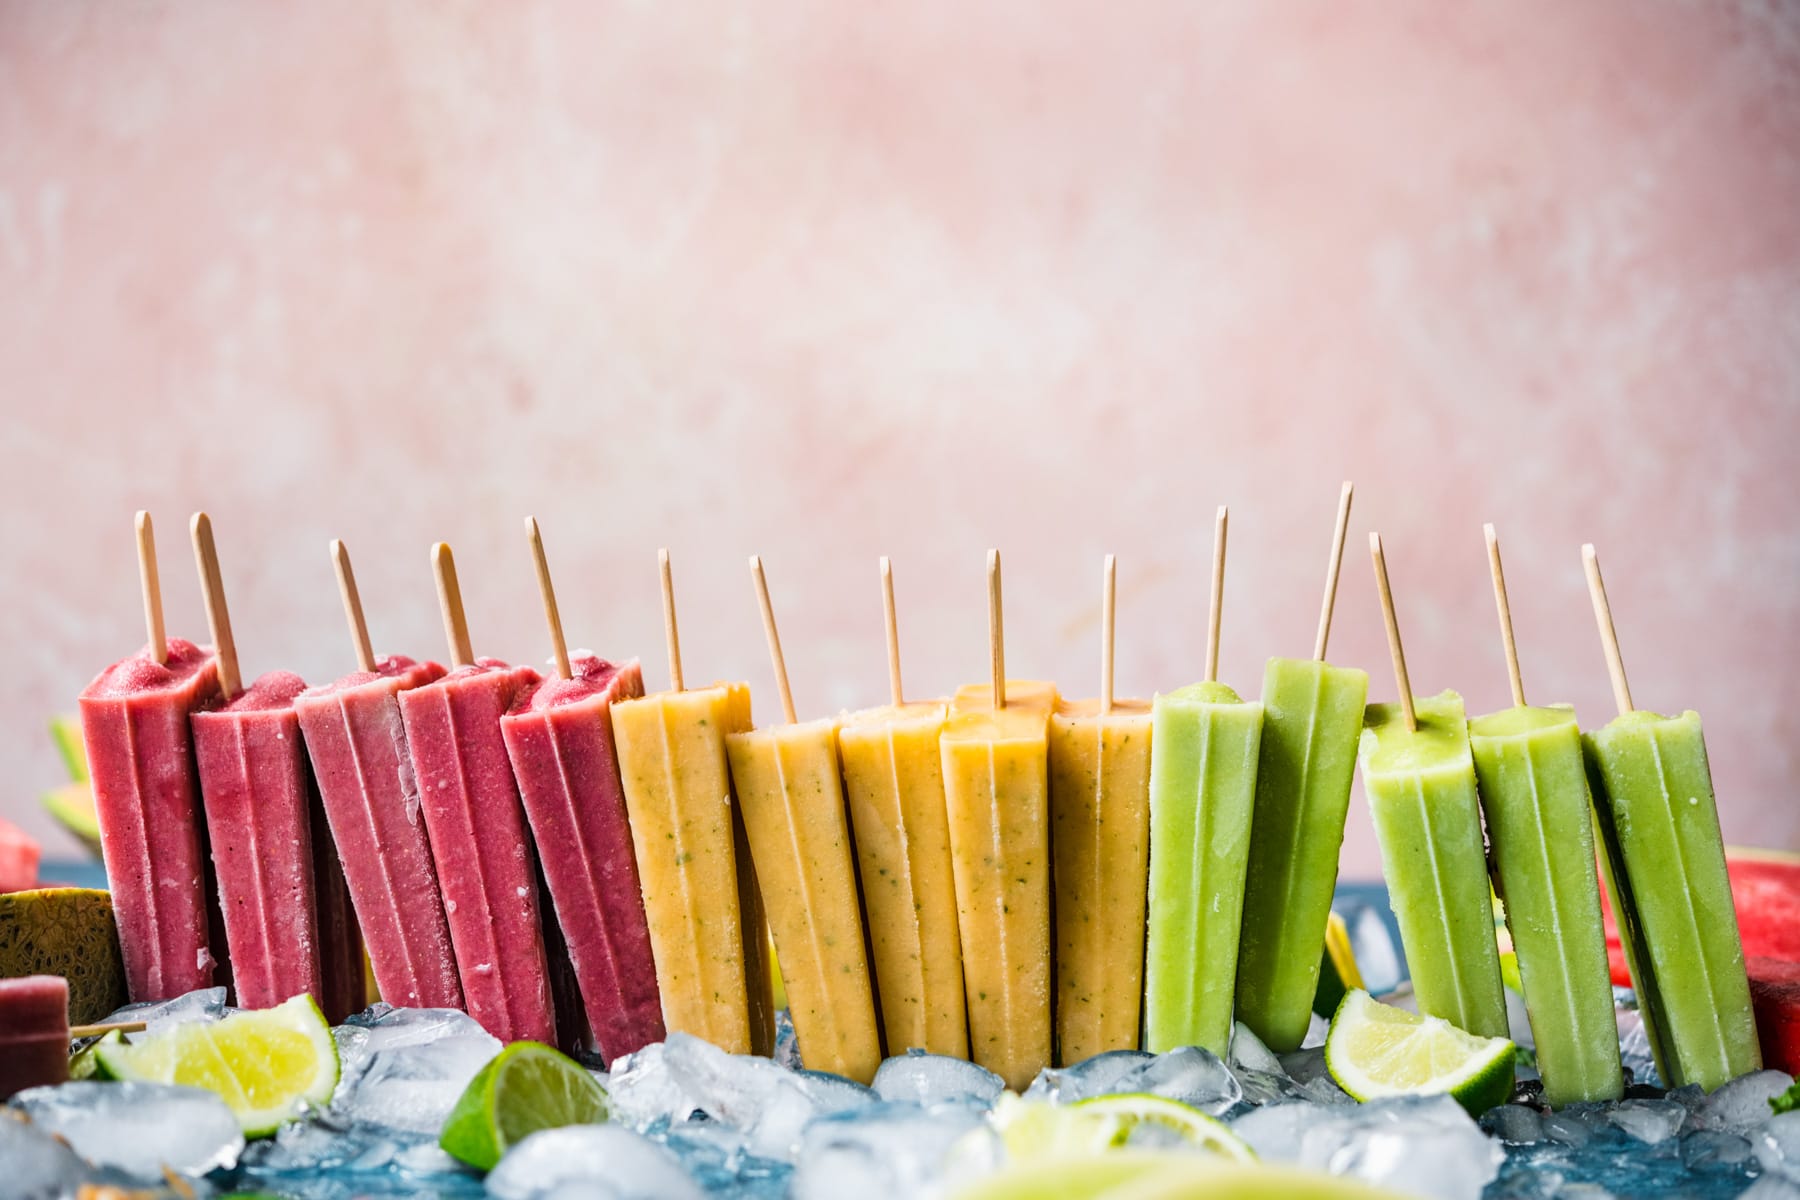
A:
x: 1765, y: 887
x: 1775, y: 993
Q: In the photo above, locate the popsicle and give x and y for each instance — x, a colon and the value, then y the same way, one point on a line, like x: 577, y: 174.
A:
x: 996, y: 787
x: 1419, y: 776
x: 134, y: 724
x: 1534, y: 793
x: 1203, y: 759
x: 707, y: 930
x: 788, y: 787
x: 357, y: 743
x: 1665, y: 865
x: 559, y: 736
x: 486, y: 870
x: 34, y: 1032
x: 1099, y: 753
x: 894, y: 782
x: 257, y: 787
x: 1312, y: 718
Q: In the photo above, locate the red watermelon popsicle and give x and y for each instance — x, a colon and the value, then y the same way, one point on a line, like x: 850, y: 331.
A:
x: 480, y: 846
x: 357, y: 742
x: 134, y: 722
x: 282, y: 894
x: 560, y: 740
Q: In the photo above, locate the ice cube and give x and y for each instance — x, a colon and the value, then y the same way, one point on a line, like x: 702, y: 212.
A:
x: 769, y: 1104
x: 1317, y: 1030
x: 1514, y: 1124
x: 1091, y: 1077
x: 1189, y: 1074
x: 1649, y: 1121
x: 787, y: 1041
x: 933, y: 1079
x: 1568, y: 1129
x: 138, y: 1128
x: 412, y: 1072
x: 887, y: 1150
x: 38, y: 1167
x: 1422, y: 1145
x: 1249, y: 1053
x: 1634, y: 1048
x: 1778, y: 1147
x: 1707, y: 1149
x: 205, y: 1004
x: 1771, y: 1188
x: 382, y: 1027
x: 603, y: 1161
x: 1743, y: 1104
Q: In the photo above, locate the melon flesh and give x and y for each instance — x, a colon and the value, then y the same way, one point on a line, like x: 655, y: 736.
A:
x: 1775, y: 993
x: 18, y: 859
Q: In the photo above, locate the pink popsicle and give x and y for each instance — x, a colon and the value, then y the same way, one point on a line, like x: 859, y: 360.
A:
x: 559, y: 737
x: 357, y: 742
x: 486, y: 869
x: 34, y: 1032
x: 258, y: 790
x: 134, y: 720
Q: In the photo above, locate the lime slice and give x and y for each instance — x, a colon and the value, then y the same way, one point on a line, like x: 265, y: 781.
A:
x: 268, y: 1065
x: 1377, y: 1050
x: 1186, y: 1122
x: 1031, y: 1130
x: 526, y: 1087
x: 1138, y: 1175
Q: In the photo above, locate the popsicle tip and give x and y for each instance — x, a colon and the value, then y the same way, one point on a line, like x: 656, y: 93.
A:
x: 199, y: 523
x: 1588, y: 553
x: 1487, y: 531
x: 141, y: 521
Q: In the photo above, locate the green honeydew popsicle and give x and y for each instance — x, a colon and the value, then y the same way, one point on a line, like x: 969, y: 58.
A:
x: 1203, y: 756
x: 1312, y: 717
x: 1419, y: 776
x: 1534, y: 793
x: 1665, y: 863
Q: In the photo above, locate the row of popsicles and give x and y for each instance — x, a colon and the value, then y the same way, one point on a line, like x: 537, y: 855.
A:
x: 1010, y: 876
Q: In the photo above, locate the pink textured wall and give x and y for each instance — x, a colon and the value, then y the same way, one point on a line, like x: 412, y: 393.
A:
x: 826, y: 281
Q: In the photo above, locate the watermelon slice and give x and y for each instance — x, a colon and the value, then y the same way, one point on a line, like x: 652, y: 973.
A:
x: 18, y: 859
x: 1775, y: 992
x: 1765, y: 886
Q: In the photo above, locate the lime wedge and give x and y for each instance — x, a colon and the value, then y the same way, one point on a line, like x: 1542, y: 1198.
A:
x: 1377, y: 1050
x: 268, y: 1065
x: 1137, y: 1175
x: 1032, y: 1130
x: 66, y: 733
x: 526, y: 1087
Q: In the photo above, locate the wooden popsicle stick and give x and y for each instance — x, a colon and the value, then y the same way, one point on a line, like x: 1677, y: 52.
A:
x: 150, y: 584
x: 77, y: 1032
x: 450, y: 604
x: 774, y: 638
x: 218, y: 617
x: 1218, y: 595
x: 896, y: 694
x: 1505, y: 610
x: 1393, y: 632
x: 1609, y: 637
x: 1109, y: 592
x: 671, y: 633
x: 547, y: 593
x: 353, y: 609
x: 1331, y: 574
x: 996, y: 631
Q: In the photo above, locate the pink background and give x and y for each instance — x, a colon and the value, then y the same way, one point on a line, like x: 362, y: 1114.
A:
x: 826, y: 281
